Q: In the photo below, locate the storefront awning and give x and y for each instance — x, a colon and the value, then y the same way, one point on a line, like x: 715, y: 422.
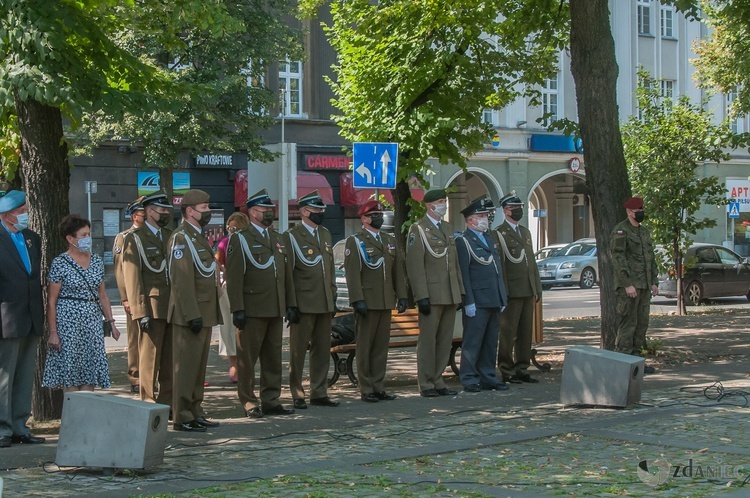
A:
x: 306, y: 183
x: 351, y: 196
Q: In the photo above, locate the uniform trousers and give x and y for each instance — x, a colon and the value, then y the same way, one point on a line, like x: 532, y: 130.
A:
x: 479, y: 348
x: 227, y: 330
x: 632, y: 321
x: 434, y: 345
x: 516, y: 325
x: 313, y: 330
x: 373, y: 333
x: 189, y: 358
x: 17, y: 360
x: 155, y: 362
x: 133, y: 330
x: 260, y: 339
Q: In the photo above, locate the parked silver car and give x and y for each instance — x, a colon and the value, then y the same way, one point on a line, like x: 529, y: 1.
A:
x: 548, y: 251
x: 574, y: 264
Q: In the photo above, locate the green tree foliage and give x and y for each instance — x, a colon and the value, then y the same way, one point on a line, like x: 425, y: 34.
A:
x: 664, y: 150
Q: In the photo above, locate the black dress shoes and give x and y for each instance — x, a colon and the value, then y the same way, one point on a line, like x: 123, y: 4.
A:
x: 135, y: 389
x: 207, y: 423
x: 26, y: 439
x: 279, y: 410
x: 4, y: 441
x: 512, y: 380
x: 430, y: 393
x: 383, y: 396
x: 255, y: 413
x: 444, y: 391
x: 192, y: 426
x: 300, y: 404
x: 324, y: 401
x: 370, y: 398
x: 500, y: 386
x: 525, y: 378
x: 473, y: 388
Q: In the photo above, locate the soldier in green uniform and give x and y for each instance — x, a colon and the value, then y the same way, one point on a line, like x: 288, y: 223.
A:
x: 193, y: 310
x: 635, y: 279
x: 137, y: 215
x: 310, y: 302
x: 144, y: 267
x: 524, y: 290
x: 435, y: 279
x: 376, y: 283
x: 257, y: 284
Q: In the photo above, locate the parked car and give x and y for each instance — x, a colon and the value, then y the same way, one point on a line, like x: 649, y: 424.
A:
x: 710, y: 270
x: 548, y: 251
x: 574, y: 264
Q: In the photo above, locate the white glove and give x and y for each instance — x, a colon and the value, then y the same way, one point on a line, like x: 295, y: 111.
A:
x: 502, y: 308
x: 470, y: 309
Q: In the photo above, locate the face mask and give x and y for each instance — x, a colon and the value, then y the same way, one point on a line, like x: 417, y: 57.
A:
x: 317, y: 218
x: 376, y: 221
x: 164, y: 220
x: 441, y: 209
x: 84, y: 244
x: 516, y: 214
x: 205, y: 218
x: 482, y: 224
x: 22, y: 221
x: 267, y: 220
x: 639, y: 216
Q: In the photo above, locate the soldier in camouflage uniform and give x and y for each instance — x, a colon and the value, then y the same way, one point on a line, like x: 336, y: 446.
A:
x: 635, y: 279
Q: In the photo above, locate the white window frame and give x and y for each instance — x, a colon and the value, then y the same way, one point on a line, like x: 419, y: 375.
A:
x: 491, y: 117
x: 291, y: 78
x: 666, y: 22
x: 551, y: 99
x: 667, y: 88
x: 643, y: 11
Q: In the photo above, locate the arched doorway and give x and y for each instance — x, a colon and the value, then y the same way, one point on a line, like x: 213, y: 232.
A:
x: 467, y: 186
x: 560, y: 209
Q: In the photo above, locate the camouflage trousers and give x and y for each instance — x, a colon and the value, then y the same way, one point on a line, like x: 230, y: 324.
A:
x: 632, y: 321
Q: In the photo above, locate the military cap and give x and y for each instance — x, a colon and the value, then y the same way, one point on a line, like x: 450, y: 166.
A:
x: 487, y: 203
x: 511, y: 199
x: 159, y: 199
x: 261, y: 199
x: 435, y: 195
x: 312, y: 199
x: 479, y: 206
x: 634, y: 203
x: 136, y: 205
x: 370, y: 207
x: 12, y: 200
x: 193, y: 197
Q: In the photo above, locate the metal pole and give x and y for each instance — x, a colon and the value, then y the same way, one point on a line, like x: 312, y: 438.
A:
x: 88, y: 200
x: 283, y: 195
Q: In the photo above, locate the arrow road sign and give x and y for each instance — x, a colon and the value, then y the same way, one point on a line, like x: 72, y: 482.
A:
x: 375, y: 165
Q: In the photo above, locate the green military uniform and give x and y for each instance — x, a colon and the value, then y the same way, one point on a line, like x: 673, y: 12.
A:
x: 257, y: 283
x: 374, y: 275
x: 144, y: 264
x: 310, y: 263
x: 432, y: 268
x: 634, y: 264
x: 524, y: 288
x: 192, y: 273
x: 131, y: 326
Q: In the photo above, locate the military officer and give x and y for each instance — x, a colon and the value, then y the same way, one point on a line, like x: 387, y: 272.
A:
x: 376, y: 284
x: 137, y: 215
x: 256, y: 285
x: 193, y: 310
x: 432, y: 268
x: 310, y: 302
x: 144, y: 268
x: 484, y: 298
x: 635, y: 279
x: 524, y: 290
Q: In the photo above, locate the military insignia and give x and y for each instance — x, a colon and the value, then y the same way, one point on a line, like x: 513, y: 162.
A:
x: 230, y: 250
x: 177, y: 254
x: 620, y: 232
x: 118, y: 249
x: 347, y: 252
x: 411, y: 239
x: 153, y: 263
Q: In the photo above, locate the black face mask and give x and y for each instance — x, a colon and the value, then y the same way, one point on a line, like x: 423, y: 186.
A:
x: 639, y: 216
x: 267, y: 220
x: 516, y: 214
x: 164, y: 220
x: 376, y: 221
x: 317, y: 218
x: 205, y: 218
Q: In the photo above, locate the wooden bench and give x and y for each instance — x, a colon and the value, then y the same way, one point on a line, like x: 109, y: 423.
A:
x: 404, y: 333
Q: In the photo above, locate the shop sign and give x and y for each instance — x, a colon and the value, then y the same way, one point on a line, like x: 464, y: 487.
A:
x: 221, y: 160
x: 327, y: 162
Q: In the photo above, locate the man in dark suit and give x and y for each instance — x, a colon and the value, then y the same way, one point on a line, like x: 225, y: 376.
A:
x: 311, y: 301
x: 524, y: 290
x: 257, y: 284
x: 21, y: 318
x: 485, y: 297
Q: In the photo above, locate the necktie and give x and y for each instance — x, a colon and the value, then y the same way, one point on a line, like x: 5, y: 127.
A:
x: 438, y: 225
x: 377, y: 237
x: 158, y: 234
x: 265, y: 233
x: 315, y: 234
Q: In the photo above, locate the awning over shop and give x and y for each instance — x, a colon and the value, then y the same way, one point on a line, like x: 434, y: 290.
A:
x: 306, y: 183
x: 351, y: 196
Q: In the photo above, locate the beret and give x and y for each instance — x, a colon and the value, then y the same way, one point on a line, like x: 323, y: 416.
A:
x: 194, y: 197
x: 634, y: 203
x: 12, y: 200
x: 435, y: 195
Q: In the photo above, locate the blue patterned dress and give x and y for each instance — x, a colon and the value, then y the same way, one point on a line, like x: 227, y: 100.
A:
x: 82, y: 359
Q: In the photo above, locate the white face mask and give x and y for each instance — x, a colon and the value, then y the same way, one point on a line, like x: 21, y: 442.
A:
x: 84, y: 244
x: 441, y: 209
x: 482, y: 224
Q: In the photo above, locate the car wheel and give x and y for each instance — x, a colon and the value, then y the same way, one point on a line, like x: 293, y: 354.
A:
x: 693, y: 294
x: 588, y: 278
x: 549, y: 286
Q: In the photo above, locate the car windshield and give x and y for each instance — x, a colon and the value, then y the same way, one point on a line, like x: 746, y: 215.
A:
x: 578, y: 249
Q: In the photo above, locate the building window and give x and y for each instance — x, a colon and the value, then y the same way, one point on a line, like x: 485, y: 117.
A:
x: 737, y: 125
x: 290, y: 85
x: 549, y: 101
x: 644, y: 17
x: 667, y: 89
x: 489, y: 116
x: 667, y: 21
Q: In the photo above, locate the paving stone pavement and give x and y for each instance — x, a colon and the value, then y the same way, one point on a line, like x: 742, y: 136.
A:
x: 520, y: 442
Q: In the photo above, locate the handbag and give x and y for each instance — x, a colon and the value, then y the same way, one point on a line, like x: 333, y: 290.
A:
x: 106, y: 324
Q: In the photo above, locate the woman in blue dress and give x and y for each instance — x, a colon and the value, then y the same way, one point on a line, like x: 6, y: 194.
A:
x: 76, y: 360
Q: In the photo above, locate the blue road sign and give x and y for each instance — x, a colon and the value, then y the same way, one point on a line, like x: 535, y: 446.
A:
x: 734, y: 209
x: 375, y: 165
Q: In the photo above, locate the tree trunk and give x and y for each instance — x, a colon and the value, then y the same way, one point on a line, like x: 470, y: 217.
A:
x: 594, y: 68
x: 46, y: 176
x: 677, y: 258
